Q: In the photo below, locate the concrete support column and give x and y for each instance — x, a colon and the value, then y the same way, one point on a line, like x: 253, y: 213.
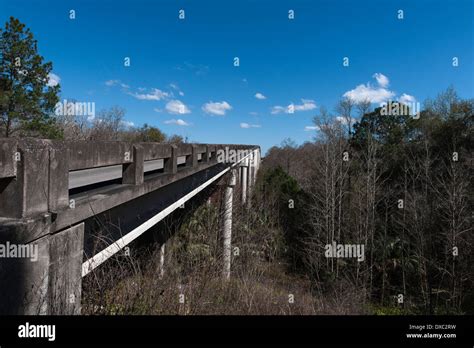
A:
x: 244, y: 183
x: 255, y: 167
x: 47, y: 279
x: 162, y: 261
x: 65, y: 270
x: 227, y: 224
x: 250, y: 177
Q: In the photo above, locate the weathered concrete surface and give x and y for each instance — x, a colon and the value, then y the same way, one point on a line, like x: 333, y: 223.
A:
x: 83, y: 154
x: 58, y: 177
x: 24, y: 281
x: 8, y: 148
x: 27, y: 194
x: 46, y: 281
x: 65, y: 280
x: 133, y: 172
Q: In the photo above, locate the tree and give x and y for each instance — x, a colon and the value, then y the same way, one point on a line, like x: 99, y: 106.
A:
x: 149, y: 133
x: 27, y: 98
x: 108, y: 124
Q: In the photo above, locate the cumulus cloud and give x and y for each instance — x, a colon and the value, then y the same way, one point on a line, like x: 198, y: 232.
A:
x: 112, y: 83
x: 367, y: 92
x: 260, y: 96
x: 217, y: 108
x: 246, y: 125
x: 177, y: 107
x: 382, y: 80
x: 306, y: 105
x: 53, y: 80
x: 155, y: 94
x: 178, y: 122
x: 406, y: 98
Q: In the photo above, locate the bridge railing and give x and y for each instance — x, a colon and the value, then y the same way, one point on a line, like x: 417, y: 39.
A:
x: 35, y: 173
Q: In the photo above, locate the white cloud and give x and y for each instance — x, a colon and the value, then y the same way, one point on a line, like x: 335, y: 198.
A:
x: 53, y: 80
x: 128, y: 123
x: 253, y: 113
x: 246, y: 125
x: 218, y: 108
x: 177, y: 107
x: 382, y: 80
x: 112, y: 83
x: 366, y: 92
x: 406, y: 98
x: 178, y: 122
x: 311, y: 128
x: 156, y: 94
x: 260, y: 96
x: 278, y: 109
x: 176, y: 88
x: 307, y: 104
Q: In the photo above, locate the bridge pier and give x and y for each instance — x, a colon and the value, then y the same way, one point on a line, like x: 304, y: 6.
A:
x: 46, y: 277
x: 243, y: 182
x: 227, y: 224
x: 162, y: 261
x: 252, y: 174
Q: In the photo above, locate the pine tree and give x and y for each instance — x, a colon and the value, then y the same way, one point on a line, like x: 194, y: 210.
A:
x: 27, y: 99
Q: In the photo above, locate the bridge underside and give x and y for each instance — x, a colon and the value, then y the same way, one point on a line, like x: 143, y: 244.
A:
x: 129, y: 216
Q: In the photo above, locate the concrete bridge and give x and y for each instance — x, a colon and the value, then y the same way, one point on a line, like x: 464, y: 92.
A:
x: 52, y: 193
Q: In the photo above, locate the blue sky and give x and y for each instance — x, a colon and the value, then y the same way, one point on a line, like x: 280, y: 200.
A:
x: 289, y: 62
